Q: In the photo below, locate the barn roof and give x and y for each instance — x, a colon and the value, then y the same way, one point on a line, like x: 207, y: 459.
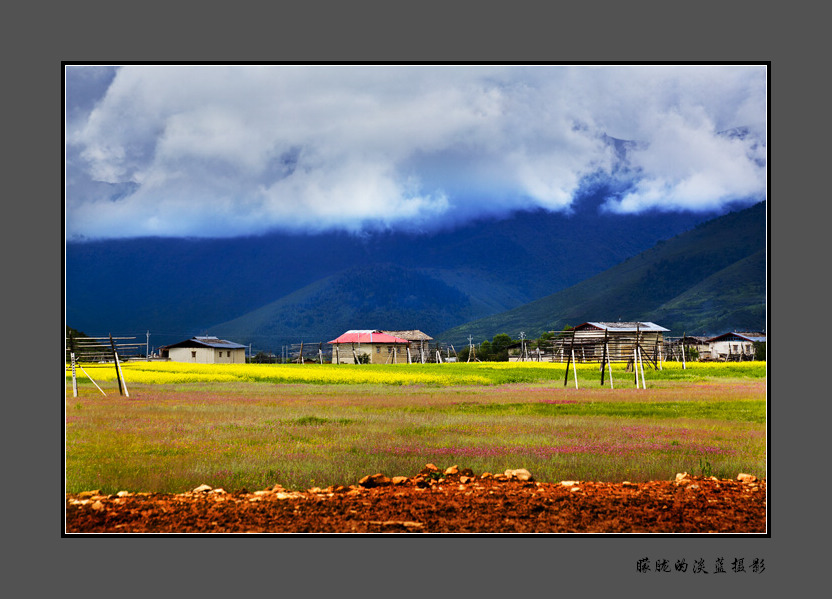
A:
x: 624, y: 327
x: 368, y: 336
x: 214, y: 342
x: 411, y: 335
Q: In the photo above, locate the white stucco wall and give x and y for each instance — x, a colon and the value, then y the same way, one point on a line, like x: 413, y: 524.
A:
x: 207, y: 355
x: 721, y: 348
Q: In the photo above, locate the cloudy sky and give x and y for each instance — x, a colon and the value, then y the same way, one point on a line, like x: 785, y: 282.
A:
x: 220, y: 151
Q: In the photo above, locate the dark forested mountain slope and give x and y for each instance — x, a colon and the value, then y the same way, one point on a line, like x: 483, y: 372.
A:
x: 281, y: 288
x: 707, y: 280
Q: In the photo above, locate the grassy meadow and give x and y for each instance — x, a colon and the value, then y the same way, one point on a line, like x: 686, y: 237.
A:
x: 252, y: 426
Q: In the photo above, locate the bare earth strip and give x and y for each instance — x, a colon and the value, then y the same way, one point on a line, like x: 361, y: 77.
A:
x: 433, y: 501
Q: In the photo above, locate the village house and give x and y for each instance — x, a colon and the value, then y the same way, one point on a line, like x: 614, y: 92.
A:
x: 370, y: 346
x: 734, y: 346
x: 205, y: 350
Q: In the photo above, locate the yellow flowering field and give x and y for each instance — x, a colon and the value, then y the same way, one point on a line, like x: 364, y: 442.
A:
x: 479, y: 373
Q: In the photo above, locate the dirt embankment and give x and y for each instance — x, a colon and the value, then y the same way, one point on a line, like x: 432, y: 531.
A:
x: 437, y: 501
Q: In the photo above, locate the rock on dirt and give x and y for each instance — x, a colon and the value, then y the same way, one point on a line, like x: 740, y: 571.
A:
x: 450, y: 500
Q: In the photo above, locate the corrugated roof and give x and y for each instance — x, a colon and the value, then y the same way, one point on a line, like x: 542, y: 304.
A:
x: 214, y: 342
x: 367, y: 336
x: 626, y: 327
x: 753, y: 337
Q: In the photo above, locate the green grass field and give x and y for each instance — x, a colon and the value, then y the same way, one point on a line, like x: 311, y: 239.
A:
x: 252, y: 426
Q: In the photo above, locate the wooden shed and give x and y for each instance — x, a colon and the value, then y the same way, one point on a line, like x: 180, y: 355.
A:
x: 619, y: 340
x: 370, y: 346
x: 419, y: 344
x: 205, y: 350
x: 673, y: 348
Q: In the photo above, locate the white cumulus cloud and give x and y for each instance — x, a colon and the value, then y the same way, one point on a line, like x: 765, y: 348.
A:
x: 203, y: 150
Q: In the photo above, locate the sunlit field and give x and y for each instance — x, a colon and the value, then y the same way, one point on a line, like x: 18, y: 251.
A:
x: 449, y: 374
x: 253, y: 426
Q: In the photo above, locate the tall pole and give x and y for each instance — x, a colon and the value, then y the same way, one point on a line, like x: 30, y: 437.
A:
x: 522, y: 346
x: 72, y: 359
x: 604, y: 357
x: 574, y: 369
x: 641, y: 363
x: 147, y: 350
x: 637, y: 355
x: 609, y: 365
x: 635, y: 364
x: 122, y: 388
x: 115, y: 361
x: 74, y: 380
x: 570, y: 358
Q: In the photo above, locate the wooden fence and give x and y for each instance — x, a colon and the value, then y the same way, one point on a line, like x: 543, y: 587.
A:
x: 107, y: 349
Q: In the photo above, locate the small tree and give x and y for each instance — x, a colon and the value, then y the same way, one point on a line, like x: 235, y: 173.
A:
x: 760, y: 350
x: 499, y: 347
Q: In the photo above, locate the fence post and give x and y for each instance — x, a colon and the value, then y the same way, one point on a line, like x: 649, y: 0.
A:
x: 74, y: 380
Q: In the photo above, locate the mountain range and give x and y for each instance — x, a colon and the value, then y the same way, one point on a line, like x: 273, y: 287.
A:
x: 530, y: 271
x: 708, y: 280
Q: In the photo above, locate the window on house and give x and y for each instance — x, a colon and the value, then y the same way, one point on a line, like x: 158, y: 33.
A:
x: 193, y: 354
x: 378, y: 350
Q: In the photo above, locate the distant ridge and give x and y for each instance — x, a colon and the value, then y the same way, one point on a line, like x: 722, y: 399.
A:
x: 279, y: 288
x: 704, y: 281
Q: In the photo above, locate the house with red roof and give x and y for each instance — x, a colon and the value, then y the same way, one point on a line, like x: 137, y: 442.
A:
x: 369, y: 346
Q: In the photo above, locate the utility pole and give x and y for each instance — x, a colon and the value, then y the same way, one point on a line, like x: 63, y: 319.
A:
x: 147, y: 350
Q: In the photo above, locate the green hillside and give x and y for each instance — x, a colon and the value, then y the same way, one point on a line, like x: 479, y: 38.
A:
x: 373, y: 296
x: 733, y: 298
x: 707, y: 280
